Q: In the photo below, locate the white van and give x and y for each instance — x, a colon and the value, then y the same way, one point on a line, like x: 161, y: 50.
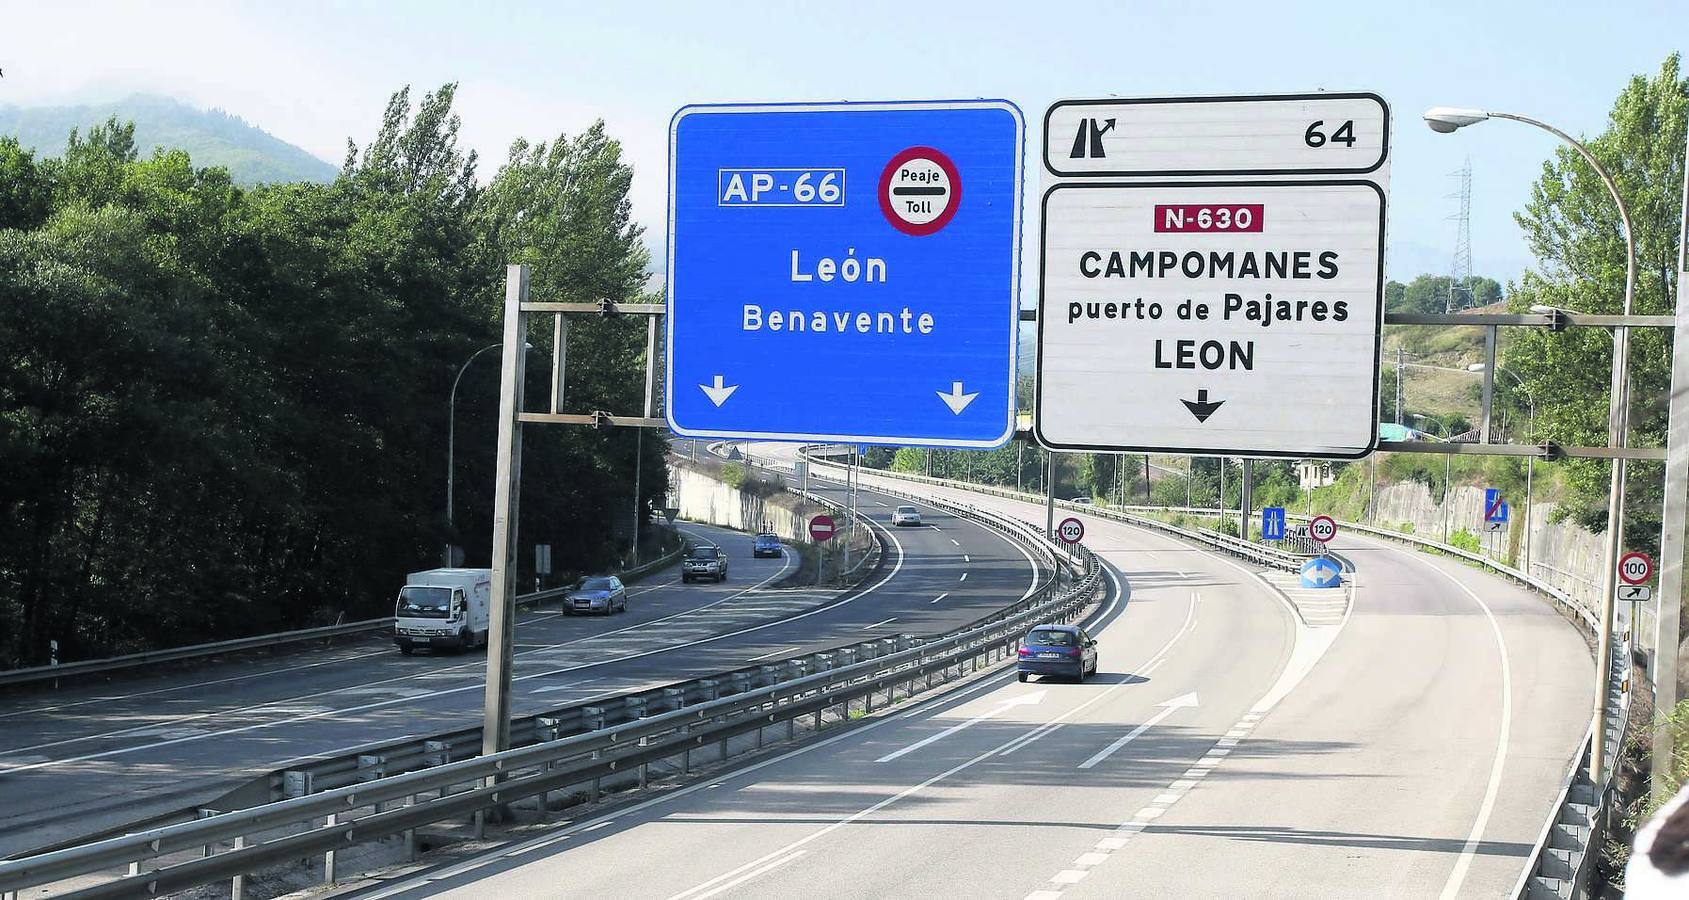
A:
x: 443, y: 608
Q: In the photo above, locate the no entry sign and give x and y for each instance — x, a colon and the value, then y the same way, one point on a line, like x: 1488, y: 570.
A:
x: 821, y: 528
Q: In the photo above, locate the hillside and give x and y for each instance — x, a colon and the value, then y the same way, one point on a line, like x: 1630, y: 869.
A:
x: 211, y: 137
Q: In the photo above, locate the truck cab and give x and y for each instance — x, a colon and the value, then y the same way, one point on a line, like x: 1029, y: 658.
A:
x: 443, y: 609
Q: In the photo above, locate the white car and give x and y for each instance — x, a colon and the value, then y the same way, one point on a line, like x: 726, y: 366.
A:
x: 906, y: 515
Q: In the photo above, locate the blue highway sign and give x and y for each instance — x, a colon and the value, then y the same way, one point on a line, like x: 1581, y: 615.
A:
x: 845, y: 272
x: 1320, y: 572
x: 1495, y: 508
x: 1272, y: 523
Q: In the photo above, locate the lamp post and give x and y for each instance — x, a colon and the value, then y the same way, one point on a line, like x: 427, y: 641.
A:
x: 1446, y: 119
x: 451, y: 438
x: 1448, y: 464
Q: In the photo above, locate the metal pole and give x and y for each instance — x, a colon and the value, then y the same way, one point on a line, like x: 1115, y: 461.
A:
x: 1146, y: 479
x: 1220, y: 504
x: 1485, y: 436
x: 451, y: 444
x: 1372, y: 486
x: 639, y: 440
x: 1398, y: 385
x: 1020, y: 466
x: 1448, y: 498
x: 1189, y: 461
x: 1667, y: 635
x: 1244, y: 505
x: 1049, y: 494
x: 495, y: 721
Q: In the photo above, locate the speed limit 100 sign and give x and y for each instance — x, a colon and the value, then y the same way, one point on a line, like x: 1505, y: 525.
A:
x: 1635, y: 568
x: 1322, y: 528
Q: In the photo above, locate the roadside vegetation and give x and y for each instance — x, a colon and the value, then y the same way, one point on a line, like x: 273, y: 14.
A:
x: 223, y: 410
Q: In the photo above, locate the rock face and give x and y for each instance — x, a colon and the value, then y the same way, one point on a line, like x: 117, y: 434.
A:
x: 1561, y: 553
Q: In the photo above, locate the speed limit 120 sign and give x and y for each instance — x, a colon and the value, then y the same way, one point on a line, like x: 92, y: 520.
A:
x: 1635, y: 568
x: 1322, y: 528
x: 1071, y: 531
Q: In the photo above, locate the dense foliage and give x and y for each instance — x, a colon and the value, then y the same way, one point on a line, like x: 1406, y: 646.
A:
x: 224, y: 411
x: 1573, y: 228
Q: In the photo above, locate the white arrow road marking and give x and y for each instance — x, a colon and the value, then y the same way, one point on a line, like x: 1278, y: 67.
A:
x: 1023, y: 700
x: 718, y: 393
x: 1170, y: 707
x: 956, y: 400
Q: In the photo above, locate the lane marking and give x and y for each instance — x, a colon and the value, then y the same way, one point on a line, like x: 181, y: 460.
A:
x: 940, y: 597
x: 122, y: 751
x: 960, y: 694
x: 1457, y: 877
x: 740, y: 880
x: 964, y: 577
x: 775, y: 653
x: 879, y: 623
x: 1168, y: 708
x: 1031, y: 699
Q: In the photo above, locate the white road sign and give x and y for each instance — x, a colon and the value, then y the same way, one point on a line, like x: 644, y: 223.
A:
x: 1280, y: 134
x: 1237, y: 319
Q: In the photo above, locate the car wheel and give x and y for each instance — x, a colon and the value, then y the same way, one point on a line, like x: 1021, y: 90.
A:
x: 1022, y: 677
x: 1081, y: 676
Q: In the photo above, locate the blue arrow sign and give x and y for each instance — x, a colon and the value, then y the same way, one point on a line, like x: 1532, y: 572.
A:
x: 1320, y: 572
x: 1272, y: 523
x: 845, y: 272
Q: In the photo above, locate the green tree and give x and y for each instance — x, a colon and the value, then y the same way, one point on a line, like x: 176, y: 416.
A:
x: 1573, y: 229
x: 1430, y: 294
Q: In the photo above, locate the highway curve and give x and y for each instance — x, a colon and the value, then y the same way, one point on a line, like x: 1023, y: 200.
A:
x: 1411, y: 748
x: 86, y: 759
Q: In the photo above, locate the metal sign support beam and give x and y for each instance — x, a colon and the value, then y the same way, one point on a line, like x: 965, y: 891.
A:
x: 495, y: 713
x: 1667, y: 624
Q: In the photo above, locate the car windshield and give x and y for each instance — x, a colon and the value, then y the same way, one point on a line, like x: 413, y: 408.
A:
x: 595, y: 584
x: 906, y: 509
x: 1052, y: 638
x: 767, y: 539
x: 702, y: 553
x: 425, y: 602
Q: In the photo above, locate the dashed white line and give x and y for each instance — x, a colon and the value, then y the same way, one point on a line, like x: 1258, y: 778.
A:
x: 879, y: 623
x: 941, y: 596
x: 964, y: 577
x: 775, y: 653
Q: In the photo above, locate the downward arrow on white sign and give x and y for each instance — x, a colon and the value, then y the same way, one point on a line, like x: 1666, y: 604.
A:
x: 1170, y: 707
x: 956, y: 400
x: 1022, y: 700
x: 718, y: 394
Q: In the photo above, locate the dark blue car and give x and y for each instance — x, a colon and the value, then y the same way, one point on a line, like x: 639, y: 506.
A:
x: 1060, y: 650
x: 767, y: 545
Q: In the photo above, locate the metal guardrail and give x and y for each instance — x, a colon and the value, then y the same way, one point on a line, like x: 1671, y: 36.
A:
x: 34, y: 674
x: 1561, y: 861
x: 391, y: 804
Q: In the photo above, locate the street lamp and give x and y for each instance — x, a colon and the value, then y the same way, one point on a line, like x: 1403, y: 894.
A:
x: 1443, y: 120
x: 451, y: 437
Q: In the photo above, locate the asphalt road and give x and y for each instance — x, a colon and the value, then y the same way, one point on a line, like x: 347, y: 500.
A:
x: 1410, y: 748
x: 85, y: 759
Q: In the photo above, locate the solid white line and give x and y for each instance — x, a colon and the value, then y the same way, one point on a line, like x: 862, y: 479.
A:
x: 966, y: 723
x: 1457, y: 878
x: 940, y: 597
x: 775, y: 653
x: 879, y: 623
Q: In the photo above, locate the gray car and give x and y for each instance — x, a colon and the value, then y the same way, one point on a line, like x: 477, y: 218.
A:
x: 597, y: 595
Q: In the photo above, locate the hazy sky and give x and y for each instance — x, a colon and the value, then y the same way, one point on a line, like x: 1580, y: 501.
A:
x: 316, y: 74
